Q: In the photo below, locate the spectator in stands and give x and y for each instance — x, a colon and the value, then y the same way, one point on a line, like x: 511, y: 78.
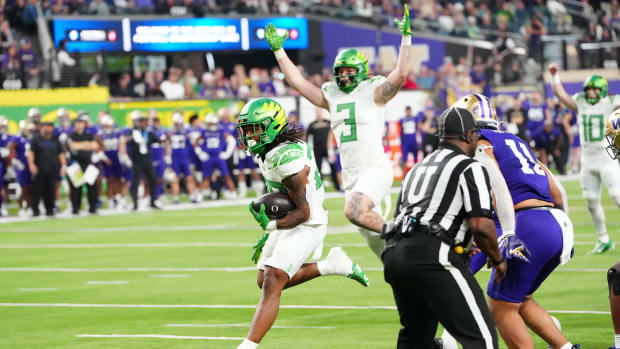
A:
x: 28, y: 60
x: 237, y: 88
x: 207, y: 88
x: 14, y: 13
x: 278, y: 81
x: 66, y: 64
x: 124, y: 87
x: 173, y: 88
x: 144, y: 6
x: 6, y: 34
x: 99, y: 8
x: 426, y: 78
x: 12, y: 69
x: 265, y: 84
x: 151, y: 87
x: 533, y: 32
x: 76, y: 7
x: 29, y: 17
x: 243, y: 7
x: 513, y: 74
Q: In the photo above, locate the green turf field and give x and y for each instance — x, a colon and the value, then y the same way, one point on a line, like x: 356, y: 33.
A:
x: 159, y: 273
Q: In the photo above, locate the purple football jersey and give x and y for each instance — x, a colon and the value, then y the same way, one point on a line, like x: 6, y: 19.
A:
x: 179, y: 145
x: 214, y: 141
x: 524, y: 177
x: 157, y: 149
x: 535, y: 118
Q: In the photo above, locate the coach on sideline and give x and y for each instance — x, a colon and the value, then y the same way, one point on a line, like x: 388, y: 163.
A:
x: 45, y: 160
x: 445, y: 199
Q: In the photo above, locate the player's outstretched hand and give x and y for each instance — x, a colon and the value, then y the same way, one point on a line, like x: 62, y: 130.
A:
x: 404, y: 25
x: 261, y: 216
x: 553, y: 68
x: 512, y: 247
x: 258, y: 248
x: 271, y: 35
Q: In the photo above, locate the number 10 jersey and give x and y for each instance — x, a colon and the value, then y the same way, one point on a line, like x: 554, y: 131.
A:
x: 591, y: 120
x: 357, y: 121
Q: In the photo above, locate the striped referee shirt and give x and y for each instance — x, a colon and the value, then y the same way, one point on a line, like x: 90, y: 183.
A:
x: 446, y: 188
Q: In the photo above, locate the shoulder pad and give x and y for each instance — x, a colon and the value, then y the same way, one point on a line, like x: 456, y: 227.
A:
x: 287, y: 153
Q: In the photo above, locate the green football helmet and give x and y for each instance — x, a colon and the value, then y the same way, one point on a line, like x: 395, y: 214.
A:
x: 259, y: 123
x: 595, y: 81
x: 350, y: 58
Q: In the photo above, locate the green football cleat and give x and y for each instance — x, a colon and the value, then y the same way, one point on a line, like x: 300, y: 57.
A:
x: 602, y: 247
x: 359, y: 275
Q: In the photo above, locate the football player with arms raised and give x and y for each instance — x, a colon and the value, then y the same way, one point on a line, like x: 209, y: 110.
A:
x: 356, y: 103
x: 593, y: 106
x: 288, y: 166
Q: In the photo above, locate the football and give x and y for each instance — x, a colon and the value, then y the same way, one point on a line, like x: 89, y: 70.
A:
x: 277, y: 205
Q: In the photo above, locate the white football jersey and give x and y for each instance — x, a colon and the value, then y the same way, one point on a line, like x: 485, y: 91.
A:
x: 357, y: 122
x: 287, y: 159
x: 591, y: 119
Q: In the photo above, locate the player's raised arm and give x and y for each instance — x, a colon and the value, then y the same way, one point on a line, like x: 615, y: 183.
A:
x: 291, y: 73
x: 397, y: 77
x: 558, y: 89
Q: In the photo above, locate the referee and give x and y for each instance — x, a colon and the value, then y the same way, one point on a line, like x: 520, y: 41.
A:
x: 444, y: 201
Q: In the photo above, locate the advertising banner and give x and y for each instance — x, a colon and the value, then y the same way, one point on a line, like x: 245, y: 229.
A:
x: 15, y: 104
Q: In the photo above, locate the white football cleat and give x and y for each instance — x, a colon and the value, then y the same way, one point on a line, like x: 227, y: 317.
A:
x: 343, y: 265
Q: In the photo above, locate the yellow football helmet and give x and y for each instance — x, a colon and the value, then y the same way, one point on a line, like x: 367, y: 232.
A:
x: 482, y: 109
x: 612, y: 133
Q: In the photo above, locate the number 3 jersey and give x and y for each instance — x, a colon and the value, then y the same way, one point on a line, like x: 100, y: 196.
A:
x: 287, y: 159
x: 524, y: 177
x: 357, y: 122
x: 591, y: 119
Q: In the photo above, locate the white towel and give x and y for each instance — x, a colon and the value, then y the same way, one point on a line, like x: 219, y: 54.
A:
x: 567, y: 234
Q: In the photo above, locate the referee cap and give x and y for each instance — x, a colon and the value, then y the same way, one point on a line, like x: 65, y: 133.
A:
x: 456, y: 122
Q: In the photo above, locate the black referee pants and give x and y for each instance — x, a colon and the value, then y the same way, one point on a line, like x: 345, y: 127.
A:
x: 139, y: 166
x: 431, y: 284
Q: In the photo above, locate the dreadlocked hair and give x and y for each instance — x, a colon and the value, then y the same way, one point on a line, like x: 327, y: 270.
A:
x: 292, y: 132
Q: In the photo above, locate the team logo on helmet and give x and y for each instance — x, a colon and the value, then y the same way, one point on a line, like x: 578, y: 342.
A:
x: 259, y: 123
x: 612, y: 133
x: 482, y: 108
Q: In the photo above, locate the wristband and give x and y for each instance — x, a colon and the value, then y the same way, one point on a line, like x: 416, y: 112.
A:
x: 279, y: 53
x: 271, y: 226
x: 406, y: 41
x: 555, y: 79
x: 498, y: 263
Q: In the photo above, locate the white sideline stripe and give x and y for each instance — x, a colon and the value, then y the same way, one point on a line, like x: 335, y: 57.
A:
x: 170, y: 275
x: 37, y: 289
x: 155, y: 244
x: 345, y: 229
x: 239, y: 306
x: 166, y: 336
x: 248, y: 325
x: 180, y: 244
x: 112, y: 270
x: 216, y: 269
x: 119, y: 282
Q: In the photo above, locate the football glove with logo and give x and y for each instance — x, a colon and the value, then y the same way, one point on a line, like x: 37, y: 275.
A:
x: 512, y: 247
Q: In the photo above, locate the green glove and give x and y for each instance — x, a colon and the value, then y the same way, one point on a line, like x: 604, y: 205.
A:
x: 404, y: 26
x: 275, y: 41
x: 258, y: 248
x: 260, y: 217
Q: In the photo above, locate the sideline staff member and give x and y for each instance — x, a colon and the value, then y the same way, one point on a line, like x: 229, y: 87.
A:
x: 45, y: 160
x: 445, y: 200
x: 82, y: 144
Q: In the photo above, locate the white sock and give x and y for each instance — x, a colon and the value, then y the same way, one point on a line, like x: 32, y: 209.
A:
x: 448, y: 341
x: 568, y: 345
x: 247, y: 344
x: 604, y: 238
x: 325, y: 267
x: 617, y: 341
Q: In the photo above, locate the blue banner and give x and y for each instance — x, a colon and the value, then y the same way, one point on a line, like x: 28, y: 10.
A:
x: 89, y: 35
x: 176, y: 34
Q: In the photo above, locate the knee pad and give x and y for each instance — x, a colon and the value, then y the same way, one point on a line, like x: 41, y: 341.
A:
x: 613, y: 281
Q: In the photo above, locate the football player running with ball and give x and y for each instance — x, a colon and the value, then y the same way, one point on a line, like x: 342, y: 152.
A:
x: 593, y: 107
x: 356, y: 104
x: 288, y: 165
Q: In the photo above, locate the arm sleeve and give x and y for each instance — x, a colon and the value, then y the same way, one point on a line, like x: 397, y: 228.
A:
x: 504, y: 207
x: 475, y: 188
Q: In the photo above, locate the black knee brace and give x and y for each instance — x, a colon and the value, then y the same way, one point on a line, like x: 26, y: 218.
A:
x: 613, y: 281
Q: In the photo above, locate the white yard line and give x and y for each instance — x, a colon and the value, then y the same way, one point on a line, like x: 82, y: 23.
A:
x: 239, y: 306
x: 166, y: 336
x: 37, y: 289
x: 248, y: 325
x: 209, y: 269
x: 177, y: 244
x: 170, y: 275
x: 119, y: 282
